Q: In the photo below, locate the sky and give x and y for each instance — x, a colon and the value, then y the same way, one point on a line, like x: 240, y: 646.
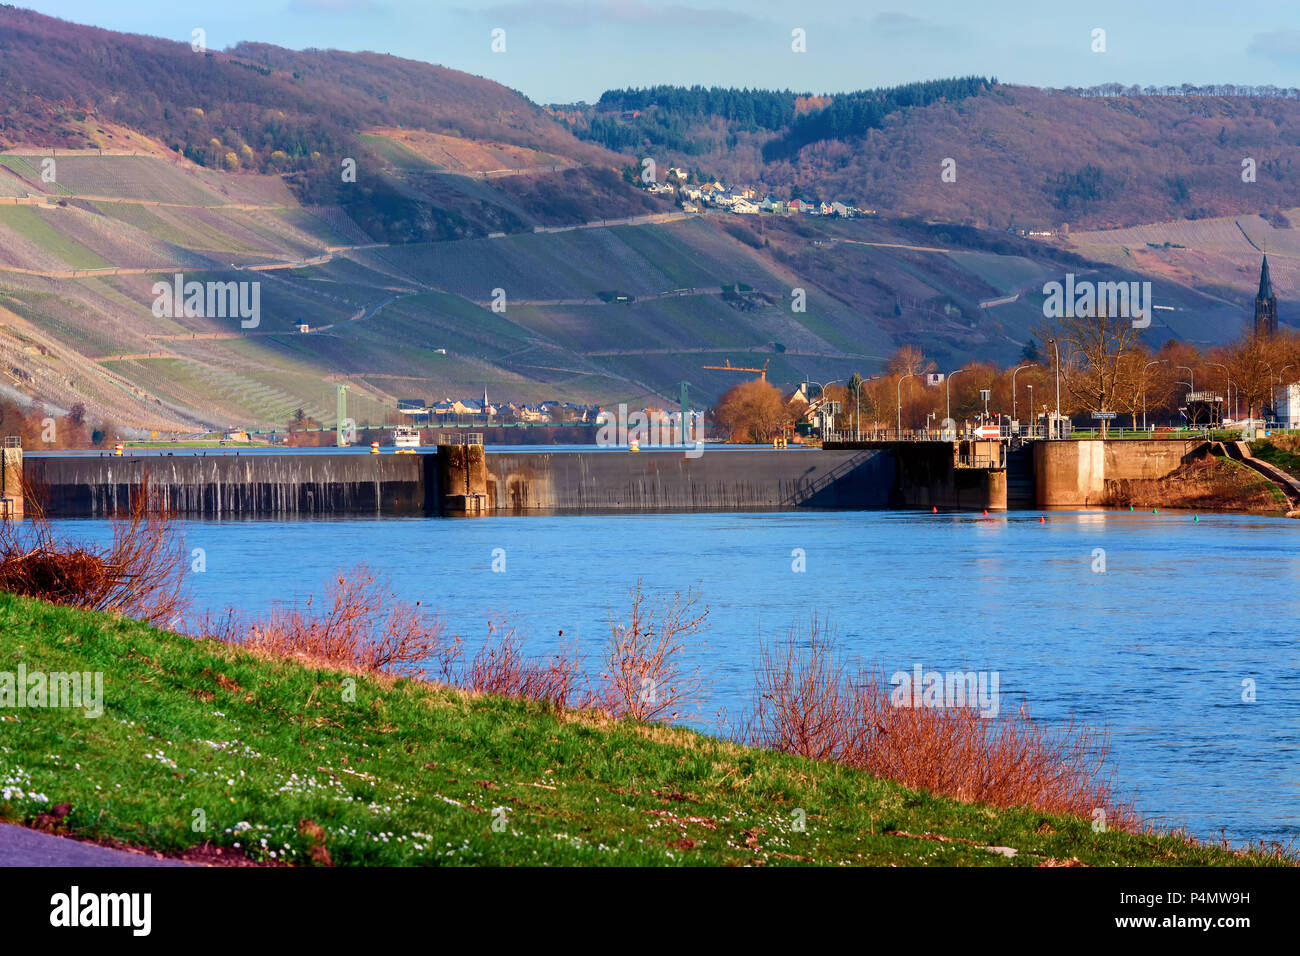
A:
x: 563, y: 51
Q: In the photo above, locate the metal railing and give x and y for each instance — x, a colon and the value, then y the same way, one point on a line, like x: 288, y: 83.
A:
x: 1200, y: 431
x: 13, y: 441
x: 458, y: 438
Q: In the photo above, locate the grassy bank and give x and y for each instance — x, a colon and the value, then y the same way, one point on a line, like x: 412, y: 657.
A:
x: 1205, y: 484
x: 200, y: 742
x: 1283, y: 451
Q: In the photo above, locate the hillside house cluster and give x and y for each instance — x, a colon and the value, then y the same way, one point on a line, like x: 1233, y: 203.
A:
x: 457, y: 409
x: 745, y: 201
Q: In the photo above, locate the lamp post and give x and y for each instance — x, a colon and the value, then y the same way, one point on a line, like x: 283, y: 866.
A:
x: 900, y: 401
x: 1013, y: 389
x: 821, y: 389
x: 1144, y: 389
x: 1056, y: 423
x: 947, y: 389
x: 1031, y: 411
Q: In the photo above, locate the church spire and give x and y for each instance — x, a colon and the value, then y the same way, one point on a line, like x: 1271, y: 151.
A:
x: 1265, y: 303
x: 1265, y: 283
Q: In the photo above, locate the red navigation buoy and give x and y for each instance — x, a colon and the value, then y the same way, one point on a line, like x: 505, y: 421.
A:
x: 1042, y: 520
x: 986, y: 512
x: 934, y: 510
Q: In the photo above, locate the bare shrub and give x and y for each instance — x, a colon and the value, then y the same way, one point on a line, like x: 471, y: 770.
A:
x: 802, y: 700
x: 141, y: 574
x: 364, y: 626
x: 500, y: 667
x: 808, y: 701
x: 645, y: 674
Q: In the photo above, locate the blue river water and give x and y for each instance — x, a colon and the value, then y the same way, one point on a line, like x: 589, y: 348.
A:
x: 1188, y: 619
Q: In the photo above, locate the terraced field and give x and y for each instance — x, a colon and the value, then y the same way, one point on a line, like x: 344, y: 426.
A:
x: 380, y: 314
x: 420, y: 148
x: 42, y: 244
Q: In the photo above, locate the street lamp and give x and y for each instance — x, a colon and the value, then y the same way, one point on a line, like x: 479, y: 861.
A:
x: 1031, y: 410
x: 1144, y: 389
x: 1191, y: 379
x: 1057, y: 422
x: 947, y: 388
x: 822, y: 391
x: 900, y: 401
x: 1013, y: 389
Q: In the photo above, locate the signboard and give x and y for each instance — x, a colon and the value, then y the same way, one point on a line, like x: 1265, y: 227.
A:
x: 984, y: 394
x: 934, y: 378
x: 1103, y: 416
x: 988, y: 431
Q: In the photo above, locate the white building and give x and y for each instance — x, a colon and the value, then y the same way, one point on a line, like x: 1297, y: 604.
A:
x: 1287, y: 401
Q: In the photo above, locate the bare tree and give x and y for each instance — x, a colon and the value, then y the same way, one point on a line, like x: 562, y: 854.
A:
x: 1094, y: 352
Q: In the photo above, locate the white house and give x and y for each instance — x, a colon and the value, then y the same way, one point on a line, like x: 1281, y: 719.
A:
x: 679, y: 173
x: 841, y: 210
x: 744, y: 207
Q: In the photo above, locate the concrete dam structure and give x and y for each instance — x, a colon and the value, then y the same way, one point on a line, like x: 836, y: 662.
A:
x: 467, y: 480
x: 463, y: 479
x: 261, y: 485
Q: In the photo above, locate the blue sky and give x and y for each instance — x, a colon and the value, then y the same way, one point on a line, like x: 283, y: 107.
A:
x: 568, y: 50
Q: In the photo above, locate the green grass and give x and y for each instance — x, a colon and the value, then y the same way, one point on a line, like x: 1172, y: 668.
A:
x: 1269, y: 451
x: 404, y: 773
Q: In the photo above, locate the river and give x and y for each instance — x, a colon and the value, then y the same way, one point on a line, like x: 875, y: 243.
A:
x: 1162, y: 646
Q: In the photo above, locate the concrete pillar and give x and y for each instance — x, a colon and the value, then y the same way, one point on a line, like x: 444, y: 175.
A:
x: 11, y: 482
x: 462, y: 480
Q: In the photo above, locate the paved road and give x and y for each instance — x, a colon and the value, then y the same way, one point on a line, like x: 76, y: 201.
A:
x: 20, y: 846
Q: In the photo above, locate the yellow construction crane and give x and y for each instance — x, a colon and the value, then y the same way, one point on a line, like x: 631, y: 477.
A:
x: 762, y: 372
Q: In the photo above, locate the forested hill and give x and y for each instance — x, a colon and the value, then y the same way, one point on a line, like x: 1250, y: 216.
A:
x: 275, y: 109
x: 1109, y: 156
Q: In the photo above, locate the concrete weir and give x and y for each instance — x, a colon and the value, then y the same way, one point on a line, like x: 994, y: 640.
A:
x: 260, y: 485
x: 464, y: 480
x: 730, y: 480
